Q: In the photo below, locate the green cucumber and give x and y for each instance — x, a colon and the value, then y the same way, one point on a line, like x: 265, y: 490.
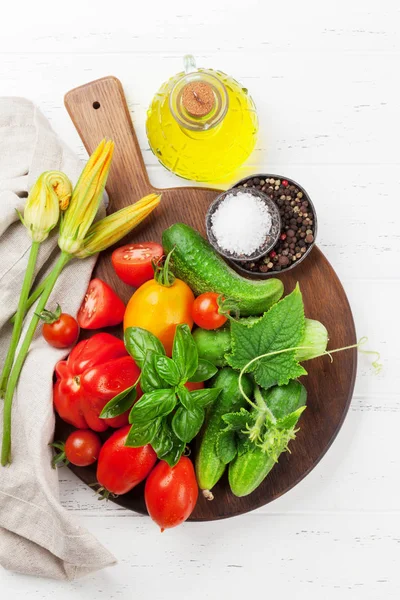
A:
x: 197, y: 263
x: 247, y: 471
x: 280, y: 407
x: 209, y: 467
x: 212, y: 345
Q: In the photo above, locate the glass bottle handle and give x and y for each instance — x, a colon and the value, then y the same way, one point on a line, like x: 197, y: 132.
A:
x: 189, y: 64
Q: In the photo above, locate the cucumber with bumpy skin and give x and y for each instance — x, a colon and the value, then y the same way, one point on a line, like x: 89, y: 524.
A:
x: 209, y: 467
x: 271, y: 426
x: 213, y: 344
x: 197, y: 263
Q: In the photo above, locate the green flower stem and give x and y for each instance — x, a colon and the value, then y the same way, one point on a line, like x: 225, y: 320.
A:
x: 19, y: 361
x: 19, y: 317
x: 33, y: 297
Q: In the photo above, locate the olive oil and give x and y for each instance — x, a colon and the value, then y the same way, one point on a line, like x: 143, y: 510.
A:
x: 202, y: 124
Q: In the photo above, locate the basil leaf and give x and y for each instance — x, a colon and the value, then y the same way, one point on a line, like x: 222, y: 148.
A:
x: 205, y: 370
x: 119, y: 404
x: 158, y: 403
x: 184, y: 352
x: 140, y: 435
x: 185, y: 398
x: 204, y: 397
x: 168, y: 370
x: 163, y: 442
x: 186, y: 424
x: 150, y: 379
x: 138, y: 341
x: 226, y: 446
x: 178, y: 447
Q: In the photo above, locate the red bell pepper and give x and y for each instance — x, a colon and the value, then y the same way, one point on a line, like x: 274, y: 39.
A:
x: 96, y: 370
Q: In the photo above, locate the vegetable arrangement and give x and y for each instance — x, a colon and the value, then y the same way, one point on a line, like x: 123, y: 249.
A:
x: 229, y: 388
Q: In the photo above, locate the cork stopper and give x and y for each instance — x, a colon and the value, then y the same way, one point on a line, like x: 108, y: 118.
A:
x: 198, y: 98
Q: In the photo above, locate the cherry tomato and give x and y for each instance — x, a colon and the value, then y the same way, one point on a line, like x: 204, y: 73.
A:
x: 61, y: 333
x: 82, y: 447
x: 119, y: 468
x: 171, y: 493
x: 160, y: 309
x: 191, y: 386
x: 205, y: 311
x: 101, y: 307
x: 133, y: 263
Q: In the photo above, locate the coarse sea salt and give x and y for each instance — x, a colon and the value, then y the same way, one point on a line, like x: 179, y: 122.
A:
x: 241, y: 223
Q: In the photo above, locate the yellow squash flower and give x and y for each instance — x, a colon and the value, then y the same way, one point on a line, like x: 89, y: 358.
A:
x: 50, y: 194
x: 86, y: 199
x: 113, y: 228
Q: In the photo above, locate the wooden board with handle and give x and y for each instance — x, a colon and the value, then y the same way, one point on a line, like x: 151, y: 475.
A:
x: 98, y: 109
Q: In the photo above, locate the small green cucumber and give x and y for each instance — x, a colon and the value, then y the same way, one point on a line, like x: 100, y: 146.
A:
x: 248, y: 471
x: 213, y: 344
x: 209, y: 467
x: 197, y: 263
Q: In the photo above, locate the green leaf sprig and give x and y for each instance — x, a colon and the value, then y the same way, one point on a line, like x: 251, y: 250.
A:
x: 168, y: 415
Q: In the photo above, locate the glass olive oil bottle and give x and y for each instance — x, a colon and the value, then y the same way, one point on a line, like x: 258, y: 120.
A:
x: 202, y: 124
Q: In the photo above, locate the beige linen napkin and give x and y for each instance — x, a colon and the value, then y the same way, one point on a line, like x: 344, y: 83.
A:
x: 37, y: 536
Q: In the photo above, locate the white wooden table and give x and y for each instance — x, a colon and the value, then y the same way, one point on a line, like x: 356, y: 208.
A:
x: 325, y: 78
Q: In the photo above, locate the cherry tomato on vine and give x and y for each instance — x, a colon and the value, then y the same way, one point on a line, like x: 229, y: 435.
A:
x: 133, y: 262
x: 81, y: 448
x: 101, y: 307
x: 171, y: 493
x: 60, y: 330
x: 205, y: 311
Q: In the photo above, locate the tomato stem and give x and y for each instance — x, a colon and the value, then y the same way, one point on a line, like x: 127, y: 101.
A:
x: 162, y: 274
x: 19, y: 361
x: 19, y: 317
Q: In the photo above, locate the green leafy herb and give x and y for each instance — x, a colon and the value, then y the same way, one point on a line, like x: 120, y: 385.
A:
x: 205, y: 397
x: 139, y: 341
x: 226, y: 446
x: 277, y: 334
x: 185, y: 397
x: 186, y: 424
x: 184, y: 352
x: 163, y: 442
x: 140, y: 435
x: 178, y: 448
x: 151, y: 405
x: 150, y: 378
x: 168, y: 415
x: 167, y: 369
x: 205, y: 370
x: 119, y: 404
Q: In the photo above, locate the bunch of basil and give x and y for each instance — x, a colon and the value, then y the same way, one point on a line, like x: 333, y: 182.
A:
x: 168, y: 415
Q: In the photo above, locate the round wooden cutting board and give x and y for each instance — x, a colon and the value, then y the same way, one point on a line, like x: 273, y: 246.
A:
x: 99, y: 110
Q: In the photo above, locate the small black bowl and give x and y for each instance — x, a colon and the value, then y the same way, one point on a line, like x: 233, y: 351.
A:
x: 240, y: 266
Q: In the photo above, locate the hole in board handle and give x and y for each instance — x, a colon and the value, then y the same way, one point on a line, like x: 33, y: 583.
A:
x: 96, y: 105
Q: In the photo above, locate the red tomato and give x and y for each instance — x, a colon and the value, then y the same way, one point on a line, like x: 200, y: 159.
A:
x: 205, y: 311
x: 101, y: 307
x: 95, y: 372
x: 63, y: 333
x: 171, y: 493
x: 119, y: 468
x: 82, y: 447
x: 133, y: 263
x: 191, y: 386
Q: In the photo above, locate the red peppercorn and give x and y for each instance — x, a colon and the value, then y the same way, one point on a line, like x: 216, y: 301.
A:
x: 285, y: 183
x: 272, y: 254
x: 283, y: 236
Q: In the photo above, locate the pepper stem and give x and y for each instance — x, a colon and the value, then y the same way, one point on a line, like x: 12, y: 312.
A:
x: 19, y: 317
x: 19, y: 361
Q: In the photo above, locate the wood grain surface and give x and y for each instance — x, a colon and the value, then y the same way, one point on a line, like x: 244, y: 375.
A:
x: 99, y: 110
